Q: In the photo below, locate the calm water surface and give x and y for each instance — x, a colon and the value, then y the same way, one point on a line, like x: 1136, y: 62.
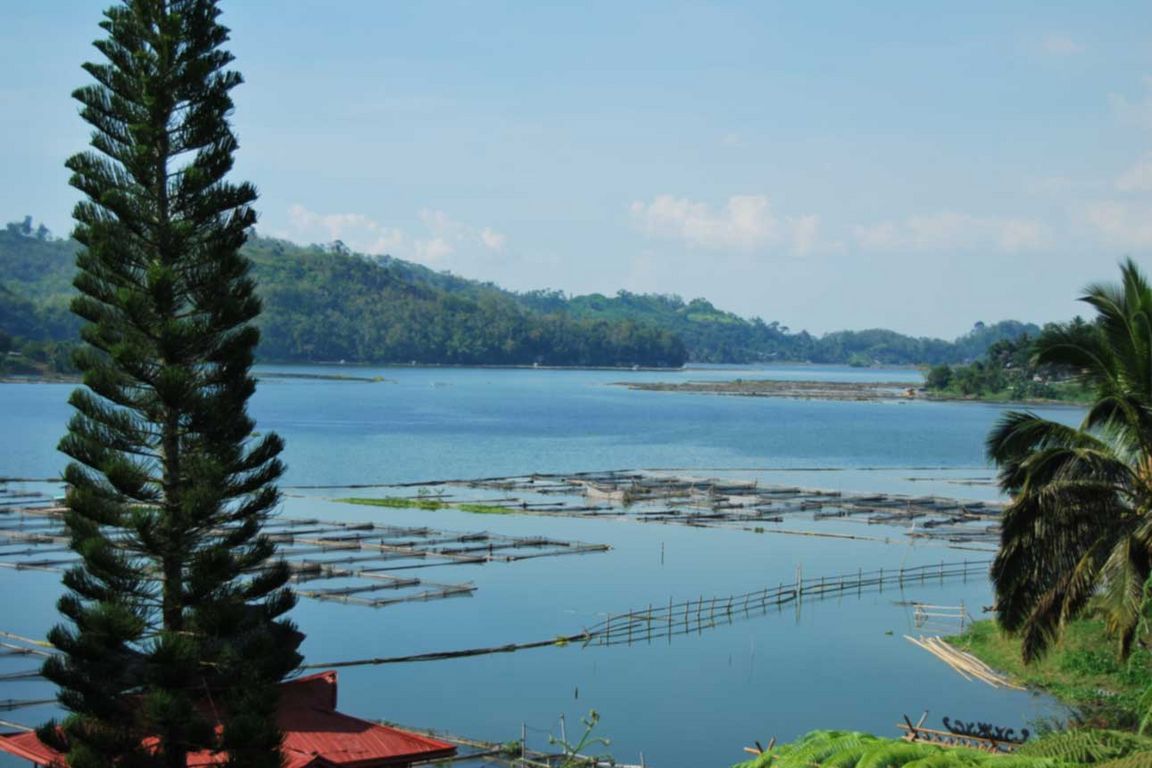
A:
x: 696, y: 701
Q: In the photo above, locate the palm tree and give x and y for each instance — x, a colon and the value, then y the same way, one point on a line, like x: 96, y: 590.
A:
x: 1079, y: 525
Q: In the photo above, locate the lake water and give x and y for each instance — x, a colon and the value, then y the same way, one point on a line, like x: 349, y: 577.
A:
x: 694, y: 701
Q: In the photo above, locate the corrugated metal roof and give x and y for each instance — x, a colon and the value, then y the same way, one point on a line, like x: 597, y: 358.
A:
x: 314, y: 732
x: 313, y: 727
x: 28, y: 747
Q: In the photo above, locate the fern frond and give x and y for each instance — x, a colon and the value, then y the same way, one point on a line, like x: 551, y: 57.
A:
x: 1086, y: 746
x: 895, y: 754
x: 1134, y: 760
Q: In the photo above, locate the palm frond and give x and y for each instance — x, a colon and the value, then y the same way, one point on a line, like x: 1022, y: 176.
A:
x: 1121, y: 317
x: 1079, y: 348
x: 1080, y: 519
x: 1053, y: 544
x: 1019, y: 435
x: 1125, y: 577
x: 1126, y: 418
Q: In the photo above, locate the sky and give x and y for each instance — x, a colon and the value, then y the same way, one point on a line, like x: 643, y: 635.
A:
x: 919, y: 166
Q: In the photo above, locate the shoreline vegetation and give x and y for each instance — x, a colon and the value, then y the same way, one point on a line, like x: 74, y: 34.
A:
x: 1010, y: 372
x: 1082, y: 671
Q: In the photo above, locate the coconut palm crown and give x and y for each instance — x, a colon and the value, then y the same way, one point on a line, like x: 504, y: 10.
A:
x: 1079, y: 525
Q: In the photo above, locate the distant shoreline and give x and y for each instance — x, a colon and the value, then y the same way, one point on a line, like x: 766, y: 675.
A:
x: 62, y: 378
x: 833, y: 391
x: 790, y: 390
x: 484, y: 366
x: 839, y: 391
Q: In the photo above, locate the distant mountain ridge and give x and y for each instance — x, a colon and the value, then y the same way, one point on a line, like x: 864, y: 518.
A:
x: 325, y: 303
x: 716, y: 336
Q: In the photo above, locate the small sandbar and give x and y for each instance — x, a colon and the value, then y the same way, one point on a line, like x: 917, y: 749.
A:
x: 798, y: 390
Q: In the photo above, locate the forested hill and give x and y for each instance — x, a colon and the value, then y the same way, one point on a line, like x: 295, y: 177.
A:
x: 715, y: 336
x: 323, y: 303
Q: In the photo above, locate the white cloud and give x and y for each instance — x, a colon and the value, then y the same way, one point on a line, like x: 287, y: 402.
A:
x: 1136, y: 111
x: 440, y: 223
x: 805, y: 232
x: 1121, y: 224
x: 1060, y: 45
x: 954, y: 231
x: 1015, y: 235
x: 443, y: 237
x: 745, y: 223
x: 1138, y: 178
x: 493, y: 241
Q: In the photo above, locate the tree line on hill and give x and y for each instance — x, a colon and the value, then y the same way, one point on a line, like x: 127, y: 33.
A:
x: 1011, y: 370
x: 327, y: 304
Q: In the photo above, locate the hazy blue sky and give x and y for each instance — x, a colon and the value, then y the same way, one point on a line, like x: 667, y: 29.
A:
x: 917, y: 165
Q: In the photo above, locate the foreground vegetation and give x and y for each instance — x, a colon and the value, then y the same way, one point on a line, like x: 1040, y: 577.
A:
x: 1063, y: 749
x: 324, y: 304
x: 1084, y: 670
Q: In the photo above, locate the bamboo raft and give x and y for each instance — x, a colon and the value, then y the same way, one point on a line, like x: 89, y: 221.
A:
x: 359, y: 560
x: 968, y: 666
x: 952, y: 739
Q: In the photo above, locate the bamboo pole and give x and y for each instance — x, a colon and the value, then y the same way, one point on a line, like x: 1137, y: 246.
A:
x: 965, y: 664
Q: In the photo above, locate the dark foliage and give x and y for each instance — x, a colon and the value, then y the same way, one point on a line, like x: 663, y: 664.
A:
x: 175, y: 614
x: 1011, y: 370
x: 1078, y: 527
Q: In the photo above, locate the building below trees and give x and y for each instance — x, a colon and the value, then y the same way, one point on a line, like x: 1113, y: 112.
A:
x: 315, y: 735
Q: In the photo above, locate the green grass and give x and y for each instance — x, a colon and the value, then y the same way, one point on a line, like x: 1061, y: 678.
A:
x: 431, y: 504
x: 1083, y: 670
x: 396, y: 502
x: 486, y: 509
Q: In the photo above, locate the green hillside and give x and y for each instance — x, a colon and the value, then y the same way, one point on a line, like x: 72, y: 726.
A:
x: 715, y: 336
x: 324, y: 304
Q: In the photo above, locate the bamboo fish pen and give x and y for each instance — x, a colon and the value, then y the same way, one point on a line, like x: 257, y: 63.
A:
x: 659, y: 497
x: 674, y: 619
x: 359, y: 560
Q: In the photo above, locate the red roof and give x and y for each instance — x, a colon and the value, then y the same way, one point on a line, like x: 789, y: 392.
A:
x: 315, y: 735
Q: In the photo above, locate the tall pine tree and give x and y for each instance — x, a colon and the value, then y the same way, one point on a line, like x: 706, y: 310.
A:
x: 176, y: 610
